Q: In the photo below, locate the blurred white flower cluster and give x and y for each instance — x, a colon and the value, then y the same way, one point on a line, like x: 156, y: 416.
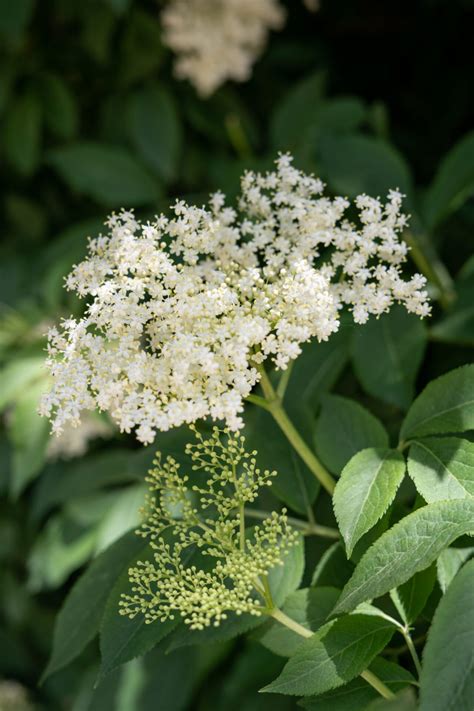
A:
x: 216, y: 40
x: 183, y: 310
x: 13, y: 696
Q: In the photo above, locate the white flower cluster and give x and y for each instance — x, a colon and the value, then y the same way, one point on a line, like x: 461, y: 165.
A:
x: 209, y: 519
x: 216, y: 40
x: 184, y: 309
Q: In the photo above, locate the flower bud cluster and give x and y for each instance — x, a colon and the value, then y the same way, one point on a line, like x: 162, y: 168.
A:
x: 206, y: 522
x: 181, y: 311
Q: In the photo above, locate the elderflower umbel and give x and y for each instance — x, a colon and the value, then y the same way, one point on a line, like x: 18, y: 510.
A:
x: 183, y: 310
x: 208, y: 519
x: 216, y: 40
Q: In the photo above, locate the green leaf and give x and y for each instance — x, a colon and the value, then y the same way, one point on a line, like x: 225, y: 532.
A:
x: 442, y: 468
x: 22, y: 133
x: 233, y: 626
x: 285, y: 579
x: 294, y: 484
x: 123, y: 639
x: 240, y: 679
x: 409, y: 546
x: 364, y: 492
x: 457, y: 324
x: 333, y: 568
x: 157, y: 681
x: 63, y: 481
x: 405, y: 700
x: 317, y: 369
x: 342, y: 115
x: 106, y: 173
x: 453, y: 183
x: 59, y: 106
x: 170, y: 679
x: 355, y: 695
x: 119, y: 6
x: 142, y: 50
x: 333, y: 656
x: 447, y: 677
x: 387, y: 353
x: 445, y: 405
x: 122, y: 515
x: 297, y: 111
x: 411, y: 597
x: 29, y: 434
x: 310, y: 607
x: 304, y: 130
x: 15, y: 16
x: 344, y: 428
x: 61, y: 547
x: 314, y: 373
x: 448, y: 564
x: 17, y: 375
x: 359, y: 164
x: 78, y: 620
x: 7, y: 78
x: 156, y: 130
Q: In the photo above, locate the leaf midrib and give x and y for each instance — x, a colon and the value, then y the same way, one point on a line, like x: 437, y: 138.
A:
x: 335, y: 656
x: 435, y: 457
x: 440, y: 413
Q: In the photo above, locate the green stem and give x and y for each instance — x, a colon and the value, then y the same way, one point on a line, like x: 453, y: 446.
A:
x: 260, y: 401
x: 306, y: 527
x: 412, y: 649
x: 377, y: 684
x: 283, y: 421
x: 268, y: 593
x: 237, y: 136
x: 369, y: 677
x: 431, y: 266
x: 405, y: 632
x: 284, y: 380
x: 242, y: 527
x: 290, y: 623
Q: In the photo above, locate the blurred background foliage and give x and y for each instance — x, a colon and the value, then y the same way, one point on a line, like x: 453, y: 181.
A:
x: 370, y: 96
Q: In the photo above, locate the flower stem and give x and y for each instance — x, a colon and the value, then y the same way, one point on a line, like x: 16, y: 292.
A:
x: 306, y: 527
x: 275, y: 407
x: 431, y: 266
x: 290, y: 623
x: 237, y: 136
x: 369, y: 676
x: 242, y: 527
x: 377, y: 684
x: 284, y: 380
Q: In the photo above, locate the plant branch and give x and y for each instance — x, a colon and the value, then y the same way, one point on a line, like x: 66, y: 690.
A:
x: 306, y: 527
x: 284, y: 380
x: 431, y: 266
x: 283, y: 421
x: 377, y: 684
x: 412, y: 649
